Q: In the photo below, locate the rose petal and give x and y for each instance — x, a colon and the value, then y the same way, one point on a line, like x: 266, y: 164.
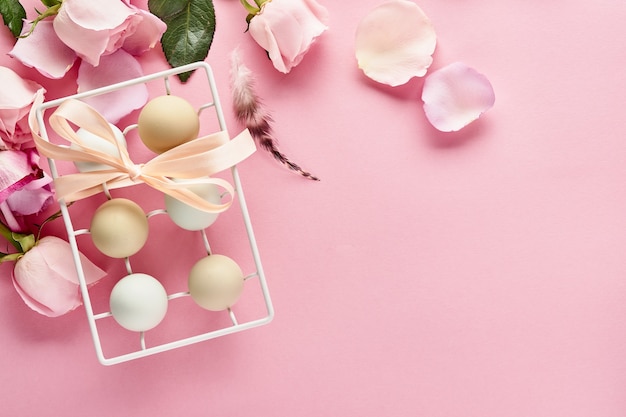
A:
x: 395, y: 42
x: 62, y: 298
x: 24, y: 187
x: 14, y: 224
x: 22, y: 137
x: 16, y: 97
x: 46, y: 278
x: 281, y: 42
x: 44, y: 51
x: 33, y: 198
x: 16, y: 172
x: 147, y: 32
x: 117, y: 67
x: 16, y: 92
x: 89, y: 31
x: 455, y: 96
x: 84, y: 13
x: 59, y: 258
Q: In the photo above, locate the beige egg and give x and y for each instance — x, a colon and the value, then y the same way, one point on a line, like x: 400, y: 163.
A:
x: 119, y: 228
x: 166, y: 122
x: 215, y: 282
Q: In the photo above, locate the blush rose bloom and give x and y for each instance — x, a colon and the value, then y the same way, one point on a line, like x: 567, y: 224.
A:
x: 16, y: 97
x: 46, y: 278
x: 93, y: 30
x: 101, y: 35
x: 286, y: 29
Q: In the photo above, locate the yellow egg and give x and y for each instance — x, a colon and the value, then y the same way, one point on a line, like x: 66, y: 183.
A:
x: 215, y: 282
x: 166, y: 122
x: 119, y: 228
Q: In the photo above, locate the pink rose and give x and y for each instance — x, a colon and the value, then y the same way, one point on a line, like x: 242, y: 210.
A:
x: 16, y: 98
x: 96, y: 29
x: 106, y: 36
x: 81, y: 29
x: 286, y: 29
x: 46, y: 278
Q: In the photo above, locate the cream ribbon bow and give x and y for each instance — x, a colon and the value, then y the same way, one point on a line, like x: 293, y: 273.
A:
x: 189, y: 163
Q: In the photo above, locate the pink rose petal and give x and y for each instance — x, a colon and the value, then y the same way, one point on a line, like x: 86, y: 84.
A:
x: 44, y: 51
x: 455, y: 96
x: 90, y: 32
x: 16, y: 92
x: 147, y: 32
x: 16, y: 172
x: 33, y: 198
x: 46, y: 279
x: 117, y: 67
x: 16, y: 97
x: 395, y: 42
x: 24, y: 188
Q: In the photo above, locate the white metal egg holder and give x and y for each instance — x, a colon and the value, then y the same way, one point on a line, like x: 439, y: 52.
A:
x: 92, y: 317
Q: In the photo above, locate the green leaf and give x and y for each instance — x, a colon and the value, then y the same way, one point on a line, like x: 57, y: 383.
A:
x: 190, y: 30
x: 13, y: 15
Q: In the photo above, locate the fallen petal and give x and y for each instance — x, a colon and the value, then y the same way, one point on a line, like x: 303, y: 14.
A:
x: 117, y: 67
x: 395, y: 42
x: 456, y: 95
x: 44, y: 51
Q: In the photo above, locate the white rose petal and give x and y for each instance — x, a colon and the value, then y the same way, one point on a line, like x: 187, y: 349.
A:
x: 395, y: 42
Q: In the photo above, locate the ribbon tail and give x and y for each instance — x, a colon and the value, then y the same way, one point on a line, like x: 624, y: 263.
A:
x: 194, y: 159
x: 180, y: 191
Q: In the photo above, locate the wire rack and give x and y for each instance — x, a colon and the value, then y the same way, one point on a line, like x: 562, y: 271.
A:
x: 142, y: 347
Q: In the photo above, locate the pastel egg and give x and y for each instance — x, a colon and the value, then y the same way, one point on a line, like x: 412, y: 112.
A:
x: 98, y: 143
x: 215, y: 282
x: 190, y: 218
x: 166, y: 122
x: 119, y: 228
x: 138, y: 302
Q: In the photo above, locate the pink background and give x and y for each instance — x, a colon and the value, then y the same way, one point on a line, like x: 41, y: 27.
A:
x: 479, y: 273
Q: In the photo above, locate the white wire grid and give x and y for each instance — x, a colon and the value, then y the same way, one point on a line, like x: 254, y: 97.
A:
x: 142, y: 349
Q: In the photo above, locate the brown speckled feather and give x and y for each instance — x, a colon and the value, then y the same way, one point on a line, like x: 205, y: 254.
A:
x: 251, y: 113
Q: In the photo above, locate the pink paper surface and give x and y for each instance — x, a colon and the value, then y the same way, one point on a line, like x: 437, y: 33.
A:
x: 479, y: 273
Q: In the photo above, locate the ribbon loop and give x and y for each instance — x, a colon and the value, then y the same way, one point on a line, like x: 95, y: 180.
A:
x: 170, y: 172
